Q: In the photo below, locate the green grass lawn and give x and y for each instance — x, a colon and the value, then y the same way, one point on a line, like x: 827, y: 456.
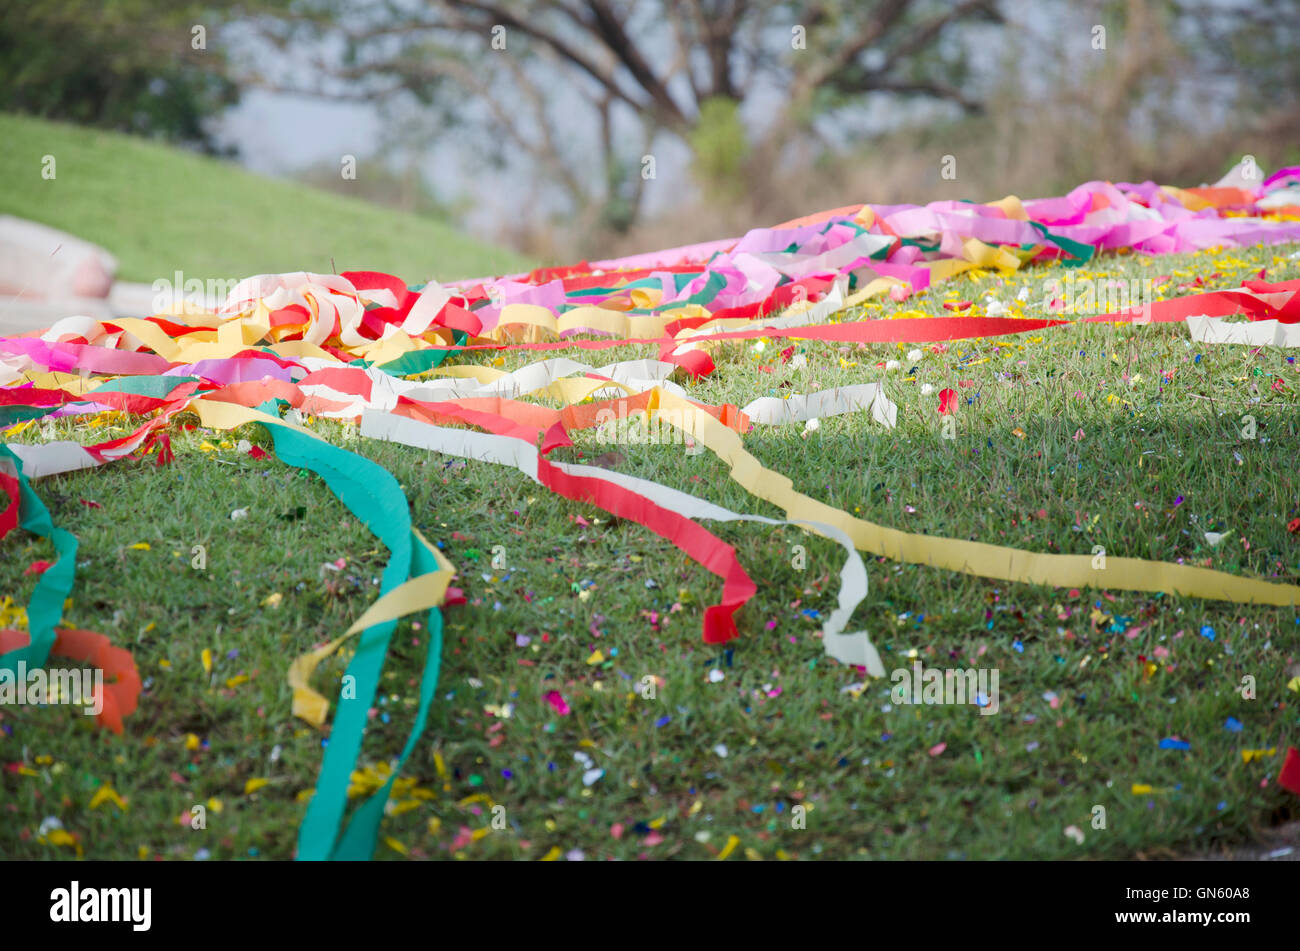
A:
x: 1161, y: 460
x: 159, y: 210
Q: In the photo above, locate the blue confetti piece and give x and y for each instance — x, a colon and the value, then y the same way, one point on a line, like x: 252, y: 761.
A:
x: 1232, y: 725
x: 664, y: 720
x: 1169, y: 743
x: 1020, y: 648
x: 1207, y: 632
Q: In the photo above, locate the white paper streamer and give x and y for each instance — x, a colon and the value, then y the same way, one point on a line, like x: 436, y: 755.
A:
x: 772, y: 411
x: 1256, y: 333
x: 853, y: 648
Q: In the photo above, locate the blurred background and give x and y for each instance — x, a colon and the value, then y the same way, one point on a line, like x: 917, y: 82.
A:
x: 452, y: 139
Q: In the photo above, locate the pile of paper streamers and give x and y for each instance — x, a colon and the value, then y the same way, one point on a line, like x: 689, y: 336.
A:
x: 363, y: 347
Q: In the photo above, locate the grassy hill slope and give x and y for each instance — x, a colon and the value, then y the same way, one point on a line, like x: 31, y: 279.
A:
x: 160, y: 209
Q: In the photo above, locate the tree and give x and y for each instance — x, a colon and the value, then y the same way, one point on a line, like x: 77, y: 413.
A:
x: 620, y: 76
x: 135, y: 66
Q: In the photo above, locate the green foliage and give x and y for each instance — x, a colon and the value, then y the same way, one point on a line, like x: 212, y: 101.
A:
x: 127, y: 65
x: 720, y: 147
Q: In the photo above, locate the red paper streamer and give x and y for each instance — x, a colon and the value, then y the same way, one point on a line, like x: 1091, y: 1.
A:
x: 122, y: 683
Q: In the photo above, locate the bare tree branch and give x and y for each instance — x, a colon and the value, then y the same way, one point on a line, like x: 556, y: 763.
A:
x: 609, y: 27
x: 498, y: 15
x: 621, y: 58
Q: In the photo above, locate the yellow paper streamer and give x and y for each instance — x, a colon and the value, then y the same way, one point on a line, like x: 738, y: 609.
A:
x: 953, y: 554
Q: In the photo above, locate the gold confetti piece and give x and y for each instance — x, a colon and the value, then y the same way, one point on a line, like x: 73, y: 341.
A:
x: 191, y: 741
x: 397, y: 808
x: 107, y: 793
x: 1018, y: 433
x: 63, y: 837
x: 1249, y: 755
x: 1142, y: 789
x: 396, y: 846
x: 164, y: 663
x: 273, y: 601
x: 141, y: 546
x: 752, y: 854
x: 206, y: 446
x: 732, y: 842
x: 253, y: 785
x: 439, y: 765
x: 435, y: 825
x: 206, y: 657
x: 216, y: 805
x: 478, y: 834
x: 233, y: 682
x: 597, y: 657
x: 44, y: 760
x: 1293, y: 685
x: 553, y: 855
x: 142, y: 853
x: 696, y: 806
